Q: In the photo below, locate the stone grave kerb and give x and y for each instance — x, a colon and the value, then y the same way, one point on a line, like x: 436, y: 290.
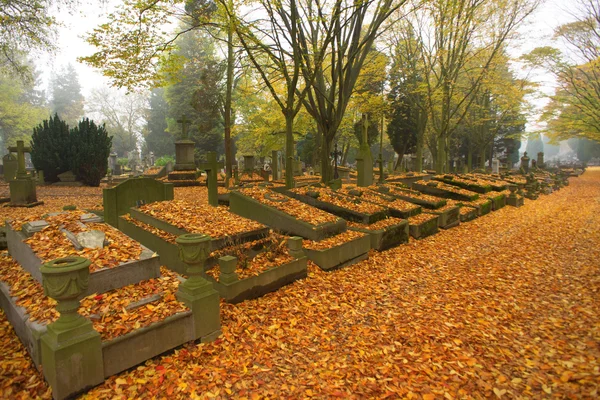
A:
x: 130, y: 193
x: 211, y: 166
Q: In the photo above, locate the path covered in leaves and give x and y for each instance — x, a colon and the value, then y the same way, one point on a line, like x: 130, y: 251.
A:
x: 505, y: 306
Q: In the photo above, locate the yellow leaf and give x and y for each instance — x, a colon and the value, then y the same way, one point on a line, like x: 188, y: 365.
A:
x: 121, y: 381
x: 547, y: 389
x: 499, y: 392
x: 429, y: 396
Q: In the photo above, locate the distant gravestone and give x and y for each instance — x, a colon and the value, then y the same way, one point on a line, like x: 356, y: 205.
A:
x: 365, y: 160
x: 112, y: 163
x: 184, y: 148
x: 129, y: 193
x: 540, y: 159
x: 525, y: 163
x: 212, y: 167
x: 248, y: 163
x: 495, y: 166
x: 10, y: 167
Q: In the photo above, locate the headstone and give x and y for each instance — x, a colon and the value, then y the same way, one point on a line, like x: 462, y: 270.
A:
x: 212, y: 167
x: 119, y: 199
x: 151, y: 159
x: 248, y: 163
x: 540, y: 159
x: 495, y: 166
x: 184, y: 148
x: 525, y: 163
x: 112, y: 162
x: 10, y: 167
x: 297, y: 167
x: 32, y: 227
x: 365, y: 159
x: 133, y: 161
x: 22, y: 188
x: 67, y: 176
x: 91, y: 217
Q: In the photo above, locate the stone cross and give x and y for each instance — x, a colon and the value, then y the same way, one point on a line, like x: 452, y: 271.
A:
x: 184, y: 125
x: 211, y: 166
x: 20, y: 149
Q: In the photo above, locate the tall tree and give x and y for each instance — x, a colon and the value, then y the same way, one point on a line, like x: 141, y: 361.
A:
x: 462, y: 31
x: 574, y: 110
x: 343, y: 32
x: 123, y: 114
x: 196, y: 92
x: 21, y: 108
x: 66, y: 97
x: 158, y: 139
x: 134, y: 44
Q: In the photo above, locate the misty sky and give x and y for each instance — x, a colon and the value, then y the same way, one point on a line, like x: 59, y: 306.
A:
x: 537, y: 32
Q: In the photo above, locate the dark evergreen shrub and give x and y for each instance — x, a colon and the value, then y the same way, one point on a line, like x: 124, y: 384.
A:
x: 50, y: 148
x: 90, y: 148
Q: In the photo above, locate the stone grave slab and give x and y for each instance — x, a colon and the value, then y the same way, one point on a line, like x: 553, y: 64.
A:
x: 145, y: 228
x: 449, y: 216
x: 351, y: 209
x: 102, y: 280
x: 498, y: 200
x: 423, y: 225
x: 412, y: 196
x: 471, y: 184
x: 397, y: 208
x: 119, y: 199
x: 408, y: 178
x: 384, y: 234
x: 334, y: 255
x: 286, y: 214
x: 441, y: 189
x: 235, y: 289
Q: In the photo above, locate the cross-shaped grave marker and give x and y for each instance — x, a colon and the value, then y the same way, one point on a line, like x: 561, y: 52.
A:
x: 20, y: 149
x: 184, y: 125
x: 211, y: 166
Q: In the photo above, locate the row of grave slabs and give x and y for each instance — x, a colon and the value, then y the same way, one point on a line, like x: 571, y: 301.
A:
x: 401, y: 213
x: 119, y: 352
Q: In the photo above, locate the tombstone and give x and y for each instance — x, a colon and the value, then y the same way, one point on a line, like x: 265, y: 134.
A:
x: 119, y: 199
x: 540, y: 159
x: 364, y: 162
x: 10, y: 167
x: 248, y: 163
x: 495, y: 166
x: 22, y: 188
x: 297, y: 167
x: 525, y: 163
x: 275, y: 165
x: 184, y: 148
x: 112, y: 162
x: 212, y: 167
x: 151, y: 159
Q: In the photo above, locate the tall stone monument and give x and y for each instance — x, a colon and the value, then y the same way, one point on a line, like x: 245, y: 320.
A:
x: 525, y: 163
x: 211, y: 166
x: 365, y: 159
x: 540, y: 159
x: 184, y: 148
x: 22, y: 188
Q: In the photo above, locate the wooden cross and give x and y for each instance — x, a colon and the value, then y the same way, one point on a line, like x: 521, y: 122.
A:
x: 184, y: 123
x: 211, y: 166
x: 20, y: 149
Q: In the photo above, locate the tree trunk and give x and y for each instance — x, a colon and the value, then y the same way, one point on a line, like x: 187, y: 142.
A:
x: 325, y: 166
x: 289, y: 150
x: 419, y: 152
x: 440, y: 158
x: 482, y: 161
x: 227, y: 105
x: 470, y: 159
